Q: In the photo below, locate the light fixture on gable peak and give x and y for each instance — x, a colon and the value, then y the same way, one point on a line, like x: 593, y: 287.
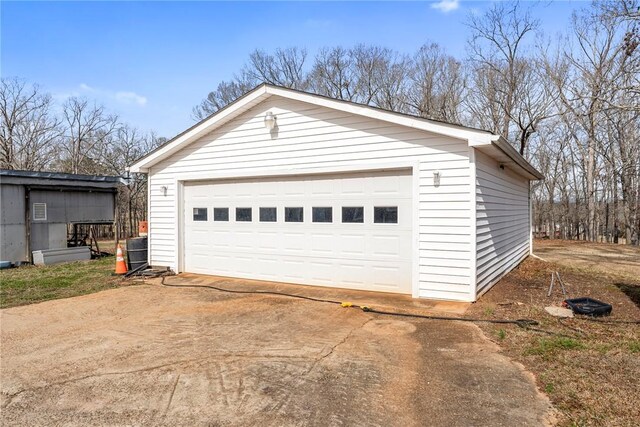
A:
x: 269, y: 120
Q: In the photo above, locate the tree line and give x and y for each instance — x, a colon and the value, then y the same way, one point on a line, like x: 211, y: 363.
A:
x: 79, y: 137
x: 570, y: 104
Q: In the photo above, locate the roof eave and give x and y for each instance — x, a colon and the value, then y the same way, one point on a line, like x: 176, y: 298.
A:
x: 503, y: 145
x: 508, y: 149
x: 204, y: 126
x: 263, y: 91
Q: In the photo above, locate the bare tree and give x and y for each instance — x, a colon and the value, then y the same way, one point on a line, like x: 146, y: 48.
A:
x: 580, y: 78
x: 125, y: 146
x: 88, y: 130
x: 573, y: 110
x: 485, y: 104
x: 497, y: 49
x: 29, y: 131
x: 285, y: 67
x: 392, y: 82
x: 370, y: 64
x: 623, y: 17
x: 365, y: 74
x: 437, y: 85
x: 536, y: 102
x: 225, y: 93
x: 334, y: 74
x: 85, y: 139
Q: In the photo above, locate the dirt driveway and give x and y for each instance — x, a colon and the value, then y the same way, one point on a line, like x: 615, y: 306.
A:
x: 152, y: 355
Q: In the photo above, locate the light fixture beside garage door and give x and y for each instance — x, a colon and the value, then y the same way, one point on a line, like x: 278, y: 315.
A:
x: 270, y: 120
x: 436, y: 179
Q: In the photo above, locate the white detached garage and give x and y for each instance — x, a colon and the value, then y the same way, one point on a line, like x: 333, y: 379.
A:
x: 287, y: 186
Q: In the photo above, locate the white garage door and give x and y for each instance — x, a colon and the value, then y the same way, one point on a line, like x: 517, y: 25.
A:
x: 348, y: 230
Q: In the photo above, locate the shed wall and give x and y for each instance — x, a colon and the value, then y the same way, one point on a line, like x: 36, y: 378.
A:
x: 75, y: 206
x: 308, y: 136
x: 63, y: 207
x: 12, y: 224
x: 502, y: 220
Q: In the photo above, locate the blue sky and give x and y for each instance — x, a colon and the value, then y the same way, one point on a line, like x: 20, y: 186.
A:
x: 152, y: 62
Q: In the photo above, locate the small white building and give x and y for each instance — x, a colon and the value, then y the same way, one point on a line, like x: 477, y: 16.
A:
x: 288, y: 186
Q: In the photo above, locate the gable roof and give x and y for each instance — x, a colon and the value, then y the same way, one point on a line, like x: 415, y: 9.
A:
x: 482, y: 139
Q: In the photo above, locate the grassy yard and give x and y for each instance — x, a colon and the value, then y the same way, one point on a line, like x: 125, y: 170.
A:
x: 589, y: 370
x: 28, y: 285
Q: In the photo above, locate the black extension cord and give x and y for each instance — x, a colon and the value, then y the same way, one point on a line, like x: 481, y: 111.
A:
x: 523, y: 323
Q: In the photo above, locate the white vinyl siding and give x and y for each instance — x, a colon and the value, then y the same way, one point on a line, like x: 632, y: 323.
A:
x: 502, y: 220
x: 309, y: 136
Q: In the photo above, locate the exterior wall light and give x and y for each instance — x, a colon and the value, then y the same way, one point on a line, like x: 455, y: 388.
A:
x: 436, y: 178
x: 269, y: 120
x: 164, y: 190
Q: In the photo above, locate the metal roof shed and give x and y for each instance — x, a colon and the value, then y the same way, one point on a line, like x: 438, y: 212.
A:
x: 36, y: 207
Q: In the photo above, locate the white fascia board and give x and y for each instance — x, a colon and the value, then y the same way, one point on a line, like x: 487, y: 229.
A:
x: 387, y: 116
x: 204, y: 127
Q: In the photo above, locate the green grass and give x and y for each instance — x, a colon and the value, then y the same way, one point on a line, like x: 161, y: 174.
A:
x: 502, y: 334
x: 489, y: 311
x: 547, y: 346
x: 31, y: 284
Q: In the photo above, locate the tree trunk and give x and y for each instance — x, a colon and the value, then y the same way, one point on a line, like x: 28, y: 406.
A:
x: 591, y: 202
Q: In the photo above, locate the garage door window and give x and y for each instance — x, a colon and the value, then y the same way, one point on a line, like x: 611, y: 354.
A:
x: 322, y: 214
x: 243, y: 214
x: 293, y: 215
x: 221, y: 214
x: 199, y: 214
x: 385, y: 214
x: 353, y: 214
x: 268, y: 215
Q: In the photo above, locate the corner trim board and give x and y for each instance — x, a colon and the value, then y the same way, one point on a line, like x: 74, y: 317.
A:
x: 473, y: 259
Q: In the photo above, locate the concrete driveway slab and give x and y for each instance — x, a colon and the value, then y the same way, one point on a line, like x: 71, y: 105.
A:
x: 153, y: 355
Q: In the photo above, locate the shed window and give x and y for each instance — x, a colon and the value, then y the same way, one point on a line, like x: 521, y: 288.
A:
x: 385, y: 214
x: 221, y: 214
x: 39, y: 211
x: 199, y: 214
x: 268, y: 214
x: 353, y: 214
x: 322, y: 214
x: 293, y: 215
x: 243, y: 214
